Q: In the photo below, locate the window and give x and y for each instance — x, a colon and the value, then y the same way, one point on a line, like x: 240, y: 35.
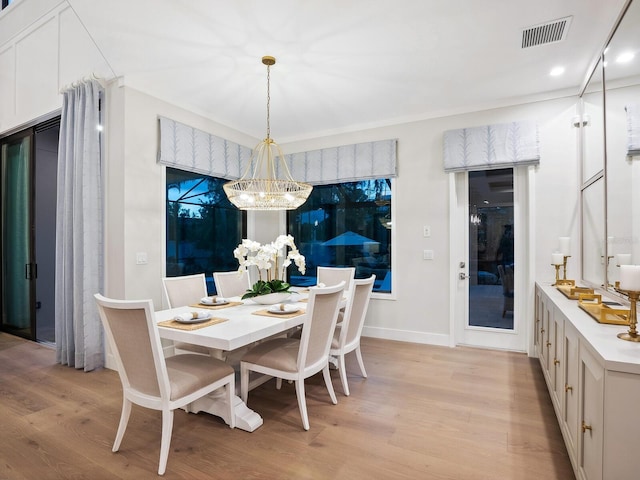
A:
x: 345, y: 224
x: 203, y: 227
x: 5, y: 3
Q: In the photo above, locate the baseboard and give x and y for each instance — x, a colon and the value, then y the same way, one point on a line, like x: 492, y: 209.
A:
x: 406, y: 336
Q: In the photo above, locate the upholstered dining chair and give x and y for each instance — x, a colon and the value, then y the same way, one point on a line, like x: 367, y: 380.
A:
x: 334, y: 275
x: 182, y: 291
x: 346, y: 338
x: 150, y: 380
x: 231, y: 284
x: 297, y: 359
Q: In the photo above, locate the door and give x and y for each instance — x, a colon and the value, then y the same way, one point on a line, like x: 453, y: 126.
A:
x: 489, y: 258
x: 16, y: 242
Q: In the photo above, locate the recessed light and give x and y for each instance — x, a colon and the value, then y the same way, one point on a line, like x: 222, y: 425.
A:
x: 625, y: 57
x: 556, y: 71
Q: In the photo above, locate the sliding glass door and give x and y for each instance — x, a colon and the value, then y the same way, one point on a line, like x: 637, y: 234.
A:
x: 16, y: 217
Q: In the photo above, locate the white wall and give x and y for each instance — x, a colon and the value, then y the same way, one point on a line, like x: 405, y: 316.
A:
x: 135, y: 182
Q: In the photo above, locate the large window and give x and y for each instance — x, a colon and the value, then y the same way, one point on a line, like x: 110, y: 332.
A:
x: 345, y: 224
x: 203, y: 227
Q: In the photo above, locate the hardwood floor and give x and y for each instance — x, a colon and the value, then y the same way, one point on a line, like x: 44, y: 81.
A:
x: 425, y: 412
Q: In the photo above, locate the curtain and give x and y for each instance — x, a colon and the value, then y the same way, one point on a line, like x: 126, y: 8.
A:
x: 79, y: 227
x: 491, y: 147
x: 633, y: 129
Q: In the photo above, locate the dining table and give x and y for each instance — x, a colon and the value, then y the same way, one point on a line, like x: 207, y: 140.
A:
x: 231, y: 328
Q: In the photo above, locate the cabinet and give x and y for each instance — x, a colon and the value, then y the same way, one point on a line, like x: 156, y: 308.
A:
x: 593, y: 380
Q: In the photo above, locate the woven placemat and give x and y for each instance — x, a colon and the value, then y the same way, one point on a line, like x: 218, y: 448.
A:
x: 216, y: 307
x: 192, y: 326
x: 267, y: 313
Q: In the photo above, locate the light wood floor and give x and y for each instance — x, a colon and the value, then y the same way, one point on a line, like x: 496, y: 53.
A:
x: 425, y: 412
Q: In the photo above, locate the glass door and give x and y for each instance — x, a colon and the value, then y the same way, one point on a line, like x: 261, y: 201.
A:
x: 16, y: 217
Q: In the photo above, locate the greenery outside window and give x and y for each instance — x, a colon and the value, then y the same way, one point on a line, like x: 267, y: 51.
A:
x: 203, y: 227
x: 345, y: 224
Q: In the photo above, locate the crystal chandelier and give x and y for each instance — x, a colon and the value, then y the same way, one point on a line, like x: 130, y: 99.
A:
x: 261, y: 188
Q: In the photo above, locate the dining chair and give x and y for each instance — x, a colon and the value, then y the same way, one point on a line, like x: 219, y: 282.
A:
x: 346, y: 337
x: 150, y: 380
x: 231, y: 284
x: 182, y: 291
x: 297, y: 359
x: 334, y: 275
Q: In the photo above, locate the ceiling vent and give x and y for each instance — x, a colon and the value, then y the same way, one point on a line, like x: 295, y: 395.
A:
x: 550, y: 32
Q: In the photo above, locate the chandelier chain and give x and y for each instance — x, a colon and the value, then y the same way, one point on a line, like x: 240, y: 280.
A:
x: 268, y: 100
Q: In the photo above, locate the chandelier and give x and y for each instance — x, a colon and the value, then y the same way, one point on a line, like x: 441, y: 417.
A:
x: 262, y: 188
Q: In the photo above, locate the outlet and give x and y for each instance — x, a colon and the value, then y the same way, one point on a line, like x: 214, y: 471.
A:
x: 427, y: 255
x: 426, y: 231
x: 141, y: 258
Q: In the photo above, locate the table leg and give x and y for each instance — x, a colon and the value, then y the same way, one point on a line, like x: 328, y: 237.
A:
x: 214, y: 403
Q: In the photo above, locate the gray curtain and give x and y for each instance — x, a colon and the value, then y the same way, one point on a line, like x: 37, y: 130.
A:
x: 79, y: 225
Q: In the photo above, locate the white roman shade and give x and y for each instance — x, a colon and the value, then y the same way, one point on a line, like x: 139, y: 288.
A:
x: 633, y: 129
x: 491, y: 147
x: 347, y: 163
x: 188, y: 148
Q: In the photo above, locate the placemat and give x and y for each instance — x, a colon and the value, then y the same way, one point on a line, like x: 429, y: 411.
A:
x: 192, y: 326
x: 267, y: 313
x: 216, y: 307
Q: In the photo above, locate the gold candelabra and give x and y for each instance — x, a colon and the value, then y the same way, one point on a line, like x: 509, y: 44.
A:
x: 632, y: 334
x: 564, y: 266
x: 557, y: 274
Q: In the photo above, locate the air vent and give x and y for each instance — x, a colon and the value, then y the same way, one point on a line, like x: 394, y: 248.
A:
x: 545, y: 33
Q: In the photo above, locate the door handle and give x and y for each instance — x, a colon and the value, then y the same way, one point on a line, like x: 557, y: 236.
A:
x: 463, y: 276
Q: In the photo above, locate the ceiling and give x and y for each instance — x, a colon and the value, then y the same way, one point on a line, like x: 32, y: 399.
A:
x: 343, y: 65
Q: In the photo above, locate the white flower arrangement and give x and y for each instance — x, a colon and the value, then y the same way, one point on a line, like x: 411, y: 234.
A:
x: 271, y: 261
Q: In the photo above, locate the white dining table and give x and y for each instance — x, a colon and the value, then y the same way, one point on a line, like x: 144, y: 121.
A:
x: 241, y: 328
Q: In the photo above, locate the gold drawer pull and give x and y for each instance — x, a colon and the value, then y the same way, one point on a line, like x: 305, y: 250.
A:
x: 568, y: 388
x: 585, y: 427
x: 542, y: 330
x: 548, y: 344
x: 556, y: 361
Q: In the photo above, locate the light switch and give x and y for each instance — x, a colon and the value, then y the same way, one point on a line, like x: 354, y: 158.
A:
x: 141, y: 258
x: 426, y: 231
x: 427, y: 255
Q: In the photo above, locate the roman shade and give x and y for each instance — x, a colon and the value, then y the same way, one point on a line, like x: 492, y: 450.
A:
x: 194, y: 150
x: 633, y: 129
x: 491, y: 147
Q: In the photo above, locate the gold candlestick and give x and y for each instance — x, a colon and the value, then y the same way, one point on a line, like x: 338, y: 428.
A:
x: 564, y: 267
x: 632, y: 334
x: 557, y: 274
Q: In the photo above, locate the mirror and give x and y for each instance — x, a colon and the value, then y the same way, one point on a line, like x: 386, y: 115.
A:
x: 622, y: 173
x: 593, y: 221
x: 593, y: 121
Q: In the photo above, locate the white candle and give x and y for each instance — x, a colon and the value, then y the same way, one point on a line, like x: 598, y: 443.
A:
x: 557, y: 259
x: 623, y: 259
x: 565, y: 246
x: 630, y: 277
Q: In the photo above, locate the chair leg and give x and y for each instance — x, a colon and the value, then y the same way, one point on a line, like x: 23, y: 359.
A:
x: 124, y: 420
x: 327, y: 380
x: 278, y: 383
x: 302, y: 403
x: 165, y: 442
x: 343, y: 374
x: 244, y: 381
x: 360, y: 362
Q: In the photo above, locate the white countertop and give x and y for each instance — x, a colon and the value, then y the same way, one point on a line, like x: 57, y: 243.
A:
x: 616, y: 354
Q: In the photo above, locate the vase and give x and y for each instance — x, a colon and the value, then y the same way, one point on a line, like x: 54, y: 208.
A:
x: 271, y: 298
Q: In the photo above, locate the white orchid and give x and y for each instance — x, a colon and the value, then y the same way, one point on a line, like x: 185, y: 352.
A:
x: 266, y: 257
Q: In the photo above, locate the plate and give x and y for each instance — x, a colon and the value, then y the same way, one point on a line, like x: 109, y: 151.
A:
x: 276, y: 309
x: 214, y: 304
x: 203, y: 317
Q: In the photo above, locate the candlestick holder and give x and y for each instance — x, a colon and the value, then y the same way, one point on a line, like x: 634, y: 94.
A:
x: 564, y: 266
x: 557, y: 274
x: 632, y: 334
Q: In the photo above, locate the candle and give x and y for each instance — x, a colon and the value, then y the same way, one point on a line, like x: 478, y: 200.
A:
x: 557, y: 259
x: 565, y: 246
x: 623, y: 259
x: 630, y: 277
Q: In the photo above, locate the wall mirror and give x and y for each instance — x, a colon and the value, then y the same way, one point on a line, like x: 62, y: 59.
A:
x: 622, y: 94
x: 611, y: 177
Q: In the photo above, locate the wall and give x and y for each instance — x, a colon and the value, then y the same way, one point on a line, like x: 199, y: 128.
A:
x: 419, y: 309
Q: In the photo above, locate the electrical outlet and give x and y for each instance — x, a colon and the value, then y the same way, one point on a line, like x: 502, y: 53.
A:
x: 427, y: 255
x: 141, y: 258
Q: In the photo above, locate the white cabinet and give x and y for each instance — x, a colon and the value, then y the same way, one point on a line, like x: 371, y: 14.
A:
x: 594, y: 384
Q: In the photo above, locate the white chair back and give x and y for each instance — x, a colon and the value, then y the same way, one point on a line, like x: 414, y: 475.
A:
x: 356, y: 311
x: 330, y: 276
x: 184, y: 290
x: 231, y: 284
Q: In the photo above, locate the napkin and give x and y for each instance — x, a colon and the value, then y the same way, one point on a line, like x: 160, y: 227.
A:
x: 283, y: 308
x: 185, y: 317
x: 212, y: 300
